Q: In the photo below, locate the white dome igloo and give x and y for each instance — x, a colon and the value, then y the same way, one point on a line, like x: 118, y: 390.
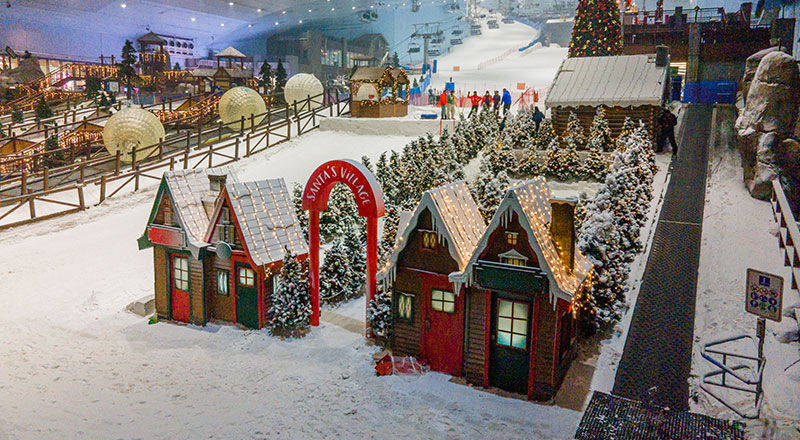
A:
x: 132, y: 127
x: 300, y: 87
x: 241, y: 101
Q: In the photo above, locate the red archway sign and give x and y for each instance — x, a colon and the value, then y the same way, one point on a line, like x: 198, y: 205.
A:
x: 369, y: 199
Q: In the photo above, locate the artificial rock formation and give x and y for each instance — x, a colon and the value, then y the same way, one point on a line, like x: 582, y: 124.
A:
x: 766, y: 126
x: 27, y: 71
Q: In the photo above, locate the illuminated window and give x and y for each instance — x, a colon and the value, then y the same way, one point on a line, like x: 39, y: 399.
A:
x: 247, y: 277
x: 514, y: 261
x: 405, y: 306
x: 429, y: 239
x: 276, y: 282
x: 512, y: 324
x: 511, y: 238
x: 442, y: 301
x: 222, y: 282
x: 180, y: 273
x: 514, y: 258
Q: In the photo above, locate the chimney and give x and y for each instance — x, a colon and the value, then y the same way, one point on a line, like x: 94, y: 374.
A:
x: 216, y: 183
x: 662, y: 56
x: 562, y: 229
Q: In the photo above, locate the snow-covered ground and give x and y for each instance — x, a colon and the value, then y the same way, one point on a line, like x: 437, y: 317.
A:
x: 739, y: 232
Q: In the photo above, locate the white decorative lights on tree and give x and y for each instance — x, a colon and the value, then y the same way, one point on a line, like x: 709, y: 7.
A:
x: 132, y: 128
x: 241, y: 102
x: 300, y: 87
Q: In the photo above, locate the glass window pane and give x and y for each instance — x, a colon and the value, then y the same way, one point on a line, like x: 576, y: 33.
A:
x: 518, y: 341
x: 520, y: 326
x: 449, y: 296
x: 504, y: 308
x: 503, y: 338
x: 449, y: 307
x: 504, y: 324
x: 436, y: 295
x: 521, y: 310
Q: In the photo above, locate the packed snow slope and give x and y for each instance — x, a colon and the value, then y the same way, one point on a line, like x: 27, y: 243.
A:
x: 536, y: 67
x: 75, y: 364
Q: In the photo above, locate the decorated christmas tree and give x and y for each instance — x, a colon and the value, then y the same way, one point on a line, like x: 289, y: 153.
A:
x: 302, y: 214
x: 356, y: 247
x: 597, y: 29
x: 545, y: 135
x: 552, y: 159
x: 584, y: 308
x: 379, y: 313
x: 596, y: 165
x: 498, y: 158
x: 533, y: 164
x: 335, y: 278
x: 520, y: 129
x: 488, y: 191
x: 600, y: 132
x: 291, y: 303
x: 572, y: 168
x: 574, y: 134
x: 389, y: 237
x: 628, y: 126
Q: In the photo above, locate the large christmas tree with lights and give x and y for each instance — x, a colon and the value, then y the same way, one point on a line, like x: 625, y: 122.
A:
x: 596, y: 31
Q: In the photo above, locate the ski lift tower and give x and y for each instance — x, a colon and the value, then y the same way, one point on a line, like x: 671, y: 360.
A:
x: 426, y: 31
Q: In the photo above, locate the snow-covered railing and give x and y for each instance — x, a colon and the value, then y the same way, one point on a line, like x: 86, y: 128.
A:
x: 497, y: 59
x: 788, y: 233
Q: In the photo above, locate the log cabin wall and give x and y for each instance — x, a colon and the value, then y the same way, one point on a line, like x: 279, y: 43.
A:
x: 161, y: 284
x: 544, y: 385
x: 475, y: 357
x: 197, y: 294
x: 406, y: 336
x: 615, y: 115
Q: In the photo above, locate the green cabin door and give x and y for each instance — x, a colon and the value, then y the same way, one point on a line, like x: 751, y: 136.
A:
x: 246, y: 296
x: 510, y: 344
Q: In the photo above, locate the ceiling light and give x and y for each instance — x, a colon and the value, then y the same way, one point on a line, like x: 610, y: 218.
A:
x: 333, y: 9
x: 194, y: 19
x: 259, y: 9
x: 123, y: 6
x: 353, y: 8
x: 222, y: 24
x: 309, y: 10
x: 300, y: 21
x: 230, y: 3
x: 249, y: 25
x: 276, y: 23
x: 283, y: 12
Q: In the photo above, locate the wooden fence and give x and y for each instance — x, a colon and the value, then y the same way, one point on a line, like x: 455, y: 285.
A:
x: 233, y: 141
x: 789, y: 235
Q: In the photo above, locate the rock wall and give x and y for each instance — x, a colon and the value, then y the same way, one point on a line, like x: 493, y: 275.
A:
x: 27, y: 71
x: 768, y: 127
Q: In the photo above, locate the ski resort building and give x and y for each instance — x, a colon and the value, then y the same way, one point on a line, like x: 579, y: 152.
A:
x: 492, y: 303
x: 217, y: 244
x: 634, y: 86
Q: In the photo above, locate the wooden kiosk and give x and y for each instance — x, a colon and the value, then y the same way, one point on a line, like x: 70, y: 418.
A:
x: 377, y: 92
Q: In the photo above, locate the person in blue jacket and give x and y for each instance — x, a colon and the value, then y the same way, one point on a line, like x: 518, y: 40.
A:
x: 506, y: 102
x: 537, y: 117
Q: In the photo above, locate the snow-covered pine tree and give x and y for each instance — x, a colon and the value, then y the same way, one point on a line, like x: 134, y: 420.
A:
x: 545, y: 135
x: 600, y: 132
x: 379, y: 314
x: 302, y: 214
x: 520, y: 129
x: 357, y: 259
x: 584, y: 308
x: 571, y: 166
x: 574, y: 134
x: 596, y: 165
x: 335, y: 277
x: 498, y: 158
x: 367, y: 163
x: 291, y: 302
x: 628, y: 126
x: 389, y: 237
x: 533, y: 164
x: 488, y: 191
x: 553, y: 165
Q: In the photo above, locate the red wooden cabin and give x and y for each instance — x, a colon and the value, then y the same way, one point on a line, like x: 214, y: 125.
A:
x: 216, y: 245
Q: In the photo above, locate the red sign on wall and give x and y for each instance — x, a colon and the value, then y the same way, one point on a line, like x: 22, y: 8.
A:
x: 165, y: 236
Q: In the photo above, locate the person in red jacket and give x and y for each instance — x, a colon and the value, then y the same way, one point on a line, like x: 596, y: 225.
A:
x: 443, y: 103
x: 475, y: 100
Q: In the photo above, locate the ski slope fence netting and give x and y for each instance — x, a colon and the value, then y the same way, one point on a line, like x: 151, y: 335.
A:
x: 484, y: 64
x: 210, y: 146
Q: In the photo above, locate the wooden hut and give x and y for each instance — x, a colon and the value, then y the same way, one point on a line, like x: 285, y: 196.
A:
x: 492, y: 303
x: 217, y: 244
x: 634, y: 86
x: 377, y: 92
x: 227, y: 74
x: 153, y: 57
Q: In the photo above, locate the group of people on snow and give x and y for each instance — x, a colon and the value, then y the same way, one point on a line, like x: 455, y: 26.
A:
x: 490, y: 102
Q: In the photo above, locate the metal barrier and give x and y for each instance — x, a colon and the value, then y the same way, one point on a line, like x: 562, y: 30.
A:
x: 710, y: 92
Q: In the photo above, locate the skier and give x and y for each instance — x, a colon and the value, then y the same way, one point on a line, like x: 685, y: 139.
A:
x: 537, y: 117
x: 503, y: 124
x: 475, y: 100
x: 506, y: 102
x: 667, y: 123
x: 443, y: 103
x: 451, y: 105
x: 496, y: 102
x: 487, y: 101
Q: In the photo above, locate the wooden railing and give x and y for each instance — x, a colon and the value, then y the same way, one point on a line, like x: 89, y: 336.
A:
x: 112, y: 174
x: 789, y: 235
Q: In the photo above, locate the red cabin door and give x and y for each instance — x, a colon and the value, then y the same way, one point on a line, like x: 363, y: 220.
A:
x: 179, y: 290
x: 442, y: 327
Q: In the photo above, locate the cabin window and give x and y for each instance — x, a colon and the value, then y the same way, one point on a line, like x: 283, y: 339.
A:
x: 512, y: 324
x: 180, y: 273
x: 247, y: 277
x: 442, y: 301
x: 168, y: 216
x: 405, y: 306
x: 514, y: 261
x: 225, y: 230
x: 429, y: 239
x: 565, y: 336
x: 222, y: 282
x: 511, y: 237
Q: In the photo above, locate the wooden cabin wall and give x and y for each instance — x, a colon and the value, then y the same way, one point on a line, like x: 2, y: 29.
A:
x: 498, y: 243
x: 475, y: 356
x: 562, y: 365
x: 406, y: 336
x: 438, y: 261
x: 197, y: 295
x: 615, y: 115
x: 161, y: 284
x: 544, y: 384
x: 219, y: 306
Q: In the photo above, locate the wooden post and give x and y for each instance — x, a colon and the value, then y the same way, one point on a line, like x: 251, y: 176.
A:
x: 210, y: 154
x: 186, y: 158
x: 81, y: 202
x: 46, y: 179
x: 313, y: 113
x: 267, y: 135
x: 31, y: 206
x: 172, y: 163
x: 133, y: 158
x: 170, y: 103
x: 252, y: 123
x: 83, y: 171
x: 241, y: 127
x: 236, y: 147
x: 102, y: 188
x: 297, y: 116
x: 199, y: 133
x: 136, y: 181
x: 23, y: 183
x: 269, y: 119
x: 219, y: 131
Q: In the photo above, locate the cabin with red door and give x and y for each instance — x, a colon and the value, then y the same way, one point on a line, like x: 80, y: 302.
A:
x: 522, y: 277
x: 216, y: 244
x: 427, y: 311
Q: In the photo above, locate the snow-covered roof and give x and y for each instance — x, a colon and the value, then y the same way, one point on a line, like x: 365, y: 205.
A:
x: 455, y: 217
x: 187, y: 189
x: 230, y: 52
x: 266, y: 217
x: 625, y: 80
x: 530, y: 199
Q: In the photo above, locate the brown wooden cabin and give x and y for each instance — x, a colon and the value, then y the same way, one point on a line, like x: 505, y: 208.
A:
x: 217, y: 245
x: 634, y: 86
x: 428, y: 313
x: 513, y: 296
x: 369, y: 84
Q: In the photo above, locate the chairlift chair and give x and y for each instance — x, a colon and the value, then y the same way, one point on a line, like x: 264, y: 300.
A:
x: 413, y: 48
x: 456, y: 41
